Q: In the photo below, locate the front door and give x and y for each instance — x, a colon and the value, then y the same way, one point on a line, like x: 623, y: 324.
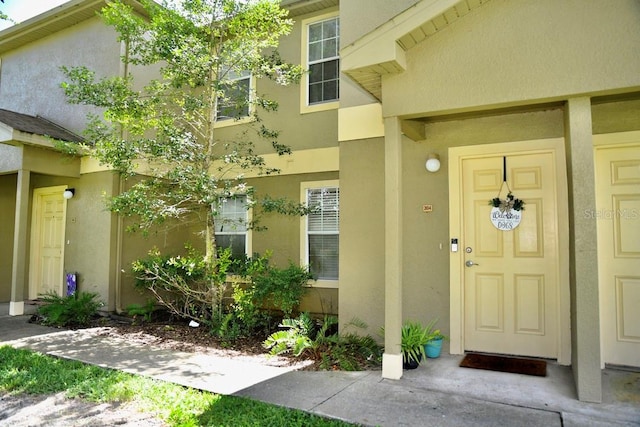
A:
x: 510, y: 279
x: 618, y: 221
x: 47, y: 242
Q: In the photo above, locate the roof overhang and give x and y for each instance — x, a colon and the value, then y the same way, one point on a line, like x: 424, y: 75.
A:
x: 382, y: 51
x: 302, y: 7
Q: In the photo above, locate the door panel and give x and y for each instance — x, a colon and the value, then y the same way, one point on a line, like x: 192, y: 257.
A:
x: 618, y: 223
x: 511, y: 289
x: 47, y: 244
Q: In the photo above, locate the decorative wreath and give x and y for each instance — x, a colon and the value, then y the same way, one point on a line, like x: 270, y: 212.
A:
x: 507, y: 204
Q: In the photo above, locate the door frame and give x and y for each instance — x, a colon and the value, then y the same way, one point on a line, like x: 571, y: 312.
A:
x: 34, y: 253
x: 603, y: 142
x: 555, y: 146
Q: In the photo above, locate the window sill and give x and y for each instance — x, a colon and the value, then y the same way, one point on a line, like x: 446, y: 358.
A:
x: 232, y: 122
x: 325, y: 106
x: 329, y: 284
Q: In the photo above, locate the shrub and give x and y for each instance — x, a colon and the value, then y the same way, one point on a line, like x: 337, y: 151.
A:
x: 72, y: 310
x: 303, y: 336
x: 183, y: 283
x: 145, y: 311
x: 282, y: 288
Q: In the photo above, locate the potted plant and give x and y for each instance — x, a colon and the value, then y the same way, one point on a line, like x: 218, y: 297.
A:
x: 433, y: 347
x: 414, y: 339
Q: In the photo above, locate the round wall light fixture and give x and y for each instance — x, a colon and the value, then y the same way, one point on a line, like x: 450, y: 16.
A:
x: 69, y: 193
x: 433, y: 163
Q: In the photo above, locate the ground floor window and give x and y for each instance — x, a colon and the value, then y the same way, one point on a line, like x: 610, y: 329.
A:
x: 231, y: 225
x: 321, y: 235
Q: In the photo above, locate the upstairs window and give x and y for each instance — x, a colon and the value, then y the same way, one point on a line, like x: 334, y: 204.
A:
x: 236, y: 102
x: 323, y: 61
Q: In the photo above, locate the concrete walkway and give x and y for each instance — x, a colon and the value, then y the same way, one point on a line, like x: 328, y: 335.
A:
x: 438, y: 393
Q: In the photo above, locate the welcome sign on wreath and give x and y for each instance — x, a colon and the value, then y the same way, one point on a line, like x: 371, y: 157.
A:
x: 506, y: 213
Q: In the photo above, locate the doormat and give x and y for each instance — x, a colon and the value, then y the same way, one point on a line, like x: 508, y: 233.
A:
x: 512, y: 365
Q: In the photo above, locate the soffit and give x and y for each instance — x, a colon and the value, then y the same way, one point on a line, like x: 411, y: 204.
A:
x: 382, y: 51
x: 302, y: 7
x: 56, y: 19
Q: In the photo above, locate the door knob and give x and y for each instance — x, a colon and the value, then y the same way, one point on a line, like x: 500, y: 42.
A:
x: 470, y: 263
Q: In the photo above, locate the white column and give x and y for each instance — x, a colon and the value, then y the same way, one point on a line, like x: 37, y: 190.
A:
x: 392, y: 357
x: 19, y: 264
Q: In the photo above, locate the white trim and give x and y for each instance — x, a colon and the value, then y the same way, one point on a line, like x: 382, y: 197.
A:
x: 617, y: 138
x: 304, y: 253
x: 16, y: 308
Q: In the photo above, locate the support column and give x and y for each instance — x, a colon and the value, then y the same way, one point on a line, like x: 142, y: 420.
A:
x: 392, y: 357
x: 19, y: 264
x: 585, y: 302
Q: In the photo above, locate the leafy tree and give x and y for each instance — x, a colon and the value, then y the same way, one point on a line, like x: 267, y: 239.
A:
x: 162, y: 136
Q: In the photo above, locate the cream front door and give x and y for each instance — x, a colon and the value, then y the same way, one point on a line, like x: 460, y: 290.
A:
x: 47, y: 242
x: 510, y: 280
x: 618, y: 223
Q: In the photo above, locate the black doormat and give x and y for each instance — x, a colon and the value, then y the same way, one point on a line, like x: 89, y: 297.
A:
x: 512, y: 365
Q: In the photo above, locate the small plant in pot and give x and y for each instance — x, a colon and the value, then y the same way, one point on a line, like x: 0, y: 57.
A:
x: 414, y: 338
x: 433, y: 347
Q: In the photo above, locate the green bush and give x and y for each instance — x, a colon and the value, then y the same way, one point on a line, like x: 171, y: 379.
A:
x: 72, y: 310
x: 282, y: 288
x: 304, y: 336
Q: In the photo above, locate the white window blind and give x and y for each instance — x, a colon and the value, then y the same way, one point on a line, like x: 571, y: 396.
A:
x: 323, y: 232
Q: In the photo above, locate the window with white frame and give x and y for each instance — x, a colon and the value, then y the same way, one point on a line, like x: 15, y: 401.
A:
x: 236, y: 102
x: 232, y: 218
x: 321, y: 230
x: 323, y: 61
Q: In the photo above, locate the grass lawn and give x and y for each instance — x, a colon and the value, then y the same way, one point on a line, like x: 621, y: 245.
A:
x: 23, y: 371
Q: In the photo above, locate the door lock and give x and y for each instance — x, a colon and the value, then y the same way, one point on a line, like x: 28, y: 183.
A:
x: 470, y: 263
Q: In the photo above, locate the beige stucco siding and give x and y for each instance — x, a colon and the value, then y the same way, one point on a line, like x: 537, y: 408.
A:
x: 282, y: 234
x: 615, y: 116
x: 299, y: 131
x: 89, y: 234
x: 362, y: 232
x: 31, y: 76
x: 519, y: 52
x: 426, y: 240
x: 7, y: 213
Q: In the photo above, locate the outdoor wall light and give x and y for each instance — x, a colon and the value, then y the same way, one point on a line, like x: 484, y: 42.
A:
x: 433, y: 163
x: 69, y: 193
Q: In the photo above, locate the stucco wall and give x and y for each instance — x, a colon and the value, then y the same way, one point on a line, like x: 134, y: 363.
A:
x: 364, y: 16
x: 31, y: 76
x: 425, y: 262
x: 7, y: 220
x: 282, y: 234
x: 362, y: 232
x: 553, y: 49
x: 299, y: 131
x: 615, y: 116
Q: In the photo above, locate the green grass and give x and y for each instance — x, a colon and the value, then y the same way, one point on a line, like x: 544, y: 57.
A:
x: 23, y: 371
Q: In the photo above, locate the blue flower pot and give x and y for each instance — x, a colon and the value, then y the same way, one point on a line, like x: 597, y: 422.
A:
x: 433, y: 348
